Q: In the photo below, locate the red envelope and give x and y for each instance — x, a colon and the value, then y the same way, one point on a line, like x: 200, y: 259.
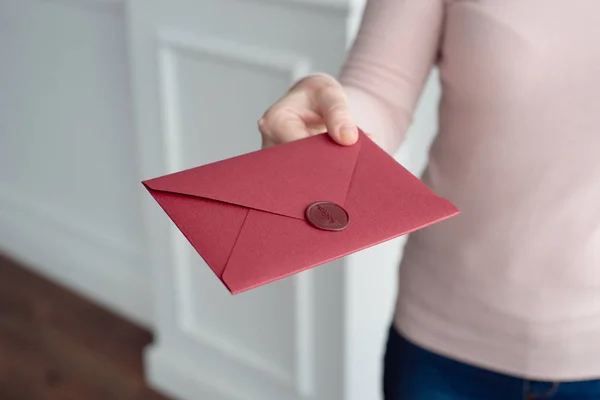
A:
x: 247, y: 215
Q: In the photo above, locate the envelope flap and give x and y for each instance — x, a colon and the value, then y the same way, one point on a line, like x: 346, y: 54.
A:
x: 284, y: 179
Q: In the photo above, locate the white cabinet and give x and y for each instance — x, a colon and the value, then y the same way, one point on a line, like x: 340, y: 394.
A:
x: 204, y: 72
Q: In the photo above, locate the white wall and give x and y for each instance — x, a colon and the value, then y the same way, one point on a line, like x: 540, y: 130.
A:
x: 68, y: 178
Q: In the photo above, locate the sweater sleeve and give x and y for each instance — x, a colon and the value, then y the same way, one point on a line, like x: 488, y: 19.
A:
x: 395, y: 49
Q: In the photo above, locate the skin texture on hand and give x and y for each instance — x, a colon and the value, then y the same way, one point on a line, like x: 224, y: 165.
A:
x: 313, y: 105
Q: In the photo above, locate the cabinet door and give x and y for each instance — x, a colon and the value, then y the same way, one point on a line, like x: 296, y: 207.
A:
x: 203, y: 72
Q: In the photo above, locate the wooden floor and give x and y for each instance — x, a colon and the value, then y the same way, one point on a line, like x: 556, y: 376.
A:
x: 55, y: 345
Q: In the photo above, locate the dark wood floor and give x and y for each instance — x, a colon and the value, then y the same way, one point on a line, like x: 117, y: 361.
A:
x: 55, y: 345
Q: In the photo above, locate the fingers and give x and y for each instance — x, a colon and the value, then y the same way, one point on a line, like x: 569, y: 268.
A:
x: 280, y: 124
x: 331, y: 103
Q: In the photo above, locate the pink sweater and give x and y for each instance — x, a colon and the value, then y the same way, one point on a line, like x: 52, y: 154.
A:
x: 513, y: 283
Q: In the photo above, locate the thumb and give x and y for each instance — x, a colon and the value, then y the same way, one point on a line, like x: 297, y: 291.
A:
x: 331, y: 102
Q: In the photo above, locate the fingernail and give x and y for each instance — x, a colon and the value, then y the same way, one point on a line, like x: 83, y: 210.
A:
x: 348, y: 133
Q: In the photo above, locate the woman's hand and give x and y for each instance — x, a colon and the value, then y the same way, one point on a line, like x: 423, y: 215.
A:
x: 313, y: 105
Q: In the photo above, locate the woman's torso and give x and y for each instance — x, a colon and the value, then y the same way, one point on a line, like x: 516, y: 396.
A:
x: 514, y: 282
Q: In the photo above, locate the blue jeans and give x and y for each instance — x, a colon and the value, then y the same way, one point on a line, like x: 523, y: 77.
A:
x: 413, y: 373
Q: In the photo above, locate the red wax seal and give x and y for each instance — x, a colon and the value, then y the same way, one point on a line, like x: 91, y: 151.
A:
x: 327, y: 216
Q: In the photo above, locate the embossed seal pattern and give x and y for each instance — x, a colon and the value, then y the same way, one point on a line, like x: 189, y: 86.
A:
x: 327, y: 216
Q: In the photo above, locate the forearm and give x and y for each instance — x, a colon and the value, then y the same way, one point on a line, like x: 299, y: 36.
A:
x: 388, y: 64
x: 387, y: 126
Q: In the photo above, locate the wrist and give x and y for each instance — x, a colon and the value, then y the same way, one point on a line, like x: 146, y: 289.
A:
x: 312, y: 75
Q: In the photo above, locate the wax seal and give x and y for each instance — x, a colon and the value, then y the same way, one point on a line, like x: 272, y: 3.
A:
x: 327, y: 216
